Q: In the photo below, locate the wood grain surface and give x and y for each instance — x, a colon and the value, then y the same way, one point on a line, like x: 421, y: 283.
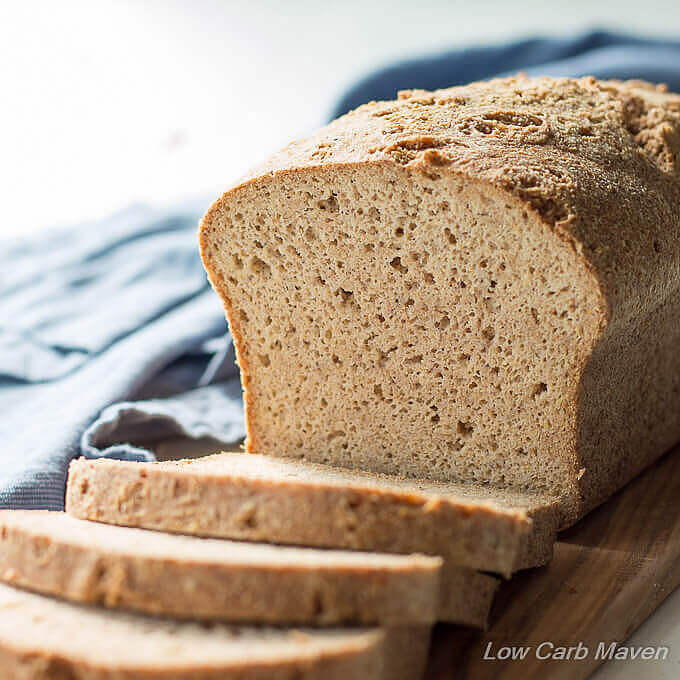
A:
x: 609, y: 573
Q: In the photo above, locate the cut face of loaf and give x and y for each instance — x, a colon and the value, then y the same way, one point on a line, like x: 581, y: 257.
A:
x: 390, y: 321
x: 477, y: 284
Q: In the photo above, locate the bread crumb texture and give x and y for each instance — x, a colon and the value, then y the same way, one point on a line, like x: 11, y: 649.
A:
x: 476, y: 284
x: 42, y: 637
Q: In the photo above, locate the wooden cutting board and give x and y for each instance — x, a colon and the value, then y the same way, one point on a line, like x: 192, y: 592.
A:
x: 609, y: 573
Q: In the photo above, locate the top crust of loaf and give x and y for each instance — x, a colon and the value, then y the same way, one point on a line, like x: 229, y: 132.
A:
x: 587, y: 156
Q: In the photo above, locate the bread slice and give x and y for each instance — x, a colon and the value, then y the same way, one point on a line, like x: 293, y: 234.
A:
x: 225, y: 497
x: 42, y: 638
x: 202, y: 578
x: 476, y: 284
x: 263, y: 498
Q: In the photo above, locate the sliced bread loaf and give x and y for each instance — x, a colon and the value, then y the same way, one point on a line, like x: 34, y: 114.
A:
x: 262, y: 498
x: 478, y: 284
x: 44, y: 639
x: 202, y: 578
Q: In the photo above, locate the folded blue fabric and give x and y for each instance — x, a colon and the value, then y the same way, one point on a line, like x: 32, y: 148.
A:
x: 597, y: 53
x: 110, y: 336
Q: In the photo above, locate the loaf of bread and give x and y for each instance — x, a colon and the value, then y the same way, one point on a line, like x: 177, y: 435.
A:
x: 45, y: 639
x: 201, y: 578
x: 476, y: 284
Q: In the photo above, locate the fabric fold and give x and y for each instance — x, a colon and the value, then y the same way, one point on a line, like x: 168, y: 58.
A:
x: 49, y: 418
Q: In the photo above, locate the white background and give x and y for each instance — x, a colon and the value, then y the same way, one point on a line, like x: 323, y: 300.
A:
x: 108, y: 102
x: 104, y: 102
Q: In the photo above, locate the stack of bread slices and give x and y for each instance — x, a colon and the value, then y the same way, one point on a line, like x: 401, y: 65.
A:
x: 251, y: 566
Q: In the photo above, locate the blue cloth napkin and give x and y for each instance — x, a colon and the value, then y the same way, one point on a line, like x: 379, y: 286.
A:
x: 597, y: 53
x: 109, y: 337
x: 109, y: 334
